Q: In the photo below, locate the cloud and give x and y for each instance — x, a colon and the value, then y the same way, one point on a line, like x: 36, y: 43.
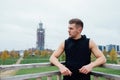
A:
x: 19, y: 21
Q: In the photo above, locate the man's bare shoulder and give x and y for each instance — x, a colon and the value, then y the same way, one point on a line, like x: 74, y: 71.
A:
x: 92, y: 44
x: 62, y: 44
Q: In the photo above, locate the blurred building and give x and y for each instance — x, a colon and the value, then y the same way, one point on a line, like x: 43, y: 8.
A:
x: 118, y: 47
x: 40, y: 37
x: 109, y: 47
x: 101, y: 47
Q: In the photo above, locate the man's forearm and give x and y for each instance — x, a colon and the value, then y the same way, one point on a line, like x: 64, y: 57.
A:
x: 98, y: 61
x: 55, y: 61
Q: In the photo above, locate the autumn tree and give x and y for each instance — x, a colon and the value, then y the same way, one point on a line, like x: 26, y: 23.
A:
x: 30, y: 51
x: 37, y: 52
x: 0, y: 54
x: 4, y: 55
x: 113, y: 55
x: 14, y: 54
x: 26, y: 54
x: 44, y: 53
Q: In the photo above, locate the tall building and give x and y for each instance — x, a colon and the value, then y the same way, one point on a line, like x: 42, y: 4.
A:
x: 40, y: 37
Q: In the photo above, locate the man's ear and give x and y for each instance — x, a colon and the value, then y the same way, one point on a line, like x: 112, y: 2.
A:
x: 80, y: 29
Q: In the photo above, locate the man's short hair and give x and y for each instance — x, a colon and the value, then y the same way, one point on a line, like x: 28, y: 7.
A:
x: 76, y: 21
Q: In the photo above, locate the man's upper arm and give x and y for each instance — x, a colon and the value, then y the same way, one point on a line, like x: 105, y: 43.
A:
x: 59, y: 51
x: 95, y: 50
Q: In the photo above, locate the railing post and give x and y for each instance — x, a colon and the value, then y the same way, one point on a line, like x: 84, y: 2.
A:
x: 49, y: 77
x: 39, y: 78
x: 96, y: 78
x: 59, y: 77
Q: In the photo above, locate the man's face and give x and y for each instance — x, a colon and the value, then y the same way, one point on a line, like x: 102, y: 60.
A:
x: 73, y: 30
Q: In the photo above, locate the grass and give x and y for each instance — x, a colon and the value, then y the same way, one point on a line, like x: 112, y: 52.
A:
x: 8, y: 61
x: 35, y: 59
x: 36, y: 70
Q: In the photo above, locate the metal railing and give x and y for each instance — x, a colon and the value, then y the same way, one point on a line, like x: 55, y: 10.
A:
x: 49, y: 74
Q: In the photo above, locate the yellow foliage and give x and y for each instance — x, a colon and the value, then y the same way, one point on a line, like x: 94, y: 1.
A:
x: 5, y: 55
x: 26, y: 53
x: 37, y: 52
x: 30, y: 52
x: 43, y: 53
x: 113, y: 55
x: 14, y: 54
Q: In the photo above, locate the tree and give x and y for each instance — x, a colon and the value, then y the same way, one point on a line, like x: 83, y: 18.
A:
x: 30, y: 52
x: 44, y: 53
x: 37, y: 52
x: 4, y: 55
x: 113, y: 56
x: 14, y: 54
x: 0, y: 54
x: 26, y: 54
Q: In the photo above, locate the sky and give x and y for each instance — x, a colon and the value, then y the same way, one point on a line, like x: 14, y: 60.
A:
x: 19, y: 21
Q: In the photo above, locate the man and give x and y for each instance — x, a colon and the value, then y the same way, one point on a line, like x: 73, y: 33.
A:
x: 78, y: 50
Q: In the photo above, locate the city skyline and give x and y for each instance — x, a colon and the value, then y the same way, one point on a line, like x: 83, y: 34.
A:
x: 109, y: 47
x: 19, y: 21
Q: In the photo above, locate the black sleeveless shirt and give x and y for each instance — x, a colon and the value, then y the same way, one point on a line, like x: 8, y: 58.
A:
x: 77, y: 55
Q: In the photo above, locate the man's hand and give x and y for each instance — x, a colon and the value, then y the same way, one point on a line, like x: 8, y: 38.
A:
x: 64, y: 70
x: 86, y: 69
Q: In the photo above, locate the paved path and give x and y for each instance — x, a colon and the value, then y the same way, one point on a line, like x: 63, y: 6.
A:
x: 10, y: 72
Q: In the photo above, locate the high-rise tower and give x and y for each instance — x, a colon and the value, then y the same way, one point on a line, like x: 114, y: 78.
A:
x: 40, y: 37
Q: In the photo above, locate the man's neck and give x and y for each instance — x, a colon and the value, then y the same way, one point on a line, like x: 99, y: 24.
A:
x: 77, y: 37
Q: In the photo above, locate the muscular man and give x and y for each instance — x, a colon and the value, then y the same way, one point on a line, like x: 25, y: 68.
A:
x: 78, y: 49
